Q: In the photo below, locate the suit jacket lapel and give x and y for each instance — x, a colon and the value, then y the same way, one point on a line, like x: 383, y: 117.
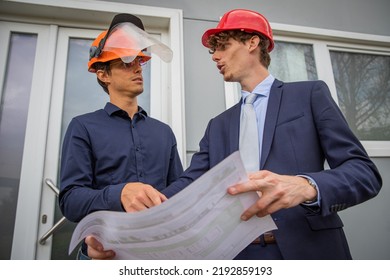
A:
x: 270, y: 119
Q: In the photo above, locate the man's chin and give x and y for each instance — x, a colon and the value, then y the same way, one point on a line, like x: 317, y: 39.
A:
x: 227, y: 77
x: 140, y: 91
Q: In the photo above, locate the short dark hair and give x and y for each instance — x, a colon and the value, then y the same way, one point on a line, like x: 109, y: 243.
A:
x: 221, y: 38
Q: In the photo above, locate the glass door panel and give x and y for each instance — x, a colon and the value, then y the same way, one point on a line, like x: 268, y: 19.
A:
x: 15, y: 98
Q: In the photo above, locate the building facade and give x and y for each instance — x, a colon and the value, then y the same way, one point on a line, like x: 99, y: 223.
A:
x: 44, y: 83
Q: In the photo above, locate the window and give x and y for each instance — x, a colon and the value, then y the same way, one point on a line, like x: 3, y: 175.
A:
x: 363, y: 91
x: 293, y: 62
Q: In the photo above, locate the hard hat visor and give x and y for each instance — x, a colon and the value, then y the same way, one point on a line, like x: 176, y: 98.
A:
x: 127, y: 41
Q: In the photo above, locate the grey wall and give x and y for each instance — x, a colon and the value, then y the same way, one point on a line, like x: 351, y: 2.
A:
x: 367, y: 225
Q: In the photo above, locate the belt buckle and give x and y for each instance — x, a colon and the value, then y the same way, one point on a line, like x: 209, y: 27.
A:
x: 266, y: 238
x: 269, y: 237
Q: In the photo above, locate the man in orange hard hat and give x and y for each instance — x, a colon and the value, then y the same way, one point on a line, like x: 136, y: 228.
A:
x: 297, y: 126
x: 118, y: 158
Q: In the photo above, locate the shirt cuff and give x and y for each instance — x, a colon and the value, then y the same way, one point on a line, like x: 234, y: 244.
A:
x: 114, y: 197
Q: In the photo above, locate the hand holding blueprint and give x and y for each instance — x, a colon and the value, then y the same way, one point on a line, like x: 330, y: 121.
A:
x: 200, y: 222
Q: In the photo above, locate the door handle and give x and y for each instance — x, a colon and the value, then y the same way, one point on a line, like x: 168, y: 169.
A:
x: 51, y: 231
x: 52, y: 186
x: 57, y: 225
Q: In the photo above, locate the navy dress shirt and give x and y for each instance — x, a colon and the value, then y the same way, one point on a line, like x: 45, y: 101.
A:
x: 106, y: 149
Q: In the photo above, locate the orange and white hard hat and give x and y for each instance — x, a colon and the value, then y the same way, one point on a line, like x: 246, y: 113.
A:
x: 244, y: 20
x: 125, y: 40
x: 123, y: 50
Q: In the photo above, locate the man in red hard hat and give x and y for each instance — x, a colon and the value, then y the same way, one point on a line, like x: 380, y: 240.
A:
x: 299, y: 127
x: 118, y: 158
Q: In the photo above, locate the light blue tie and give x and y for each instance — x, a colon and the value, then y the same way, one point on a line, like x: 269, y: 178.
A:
x: 249, y: 136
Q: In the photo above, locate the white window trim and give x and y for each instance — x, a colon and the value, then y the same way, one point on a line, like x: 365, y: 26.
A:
x: 324, y: 40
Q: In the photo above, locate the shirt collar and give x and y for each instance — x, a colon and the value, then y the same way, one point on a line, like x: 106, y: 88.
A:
x: 263, y: 88
x: 112, y: 109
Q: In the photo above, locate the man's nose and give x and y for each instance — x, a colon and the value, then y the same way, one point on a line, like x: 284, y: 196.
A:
x: 215, y: 57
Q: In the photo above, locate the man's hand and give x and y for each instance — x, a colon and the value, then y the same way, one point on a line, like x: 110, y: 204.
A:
x: 138, y: 196
x: 134, y: 197
x: 276, y: 192
x: 96, y: 250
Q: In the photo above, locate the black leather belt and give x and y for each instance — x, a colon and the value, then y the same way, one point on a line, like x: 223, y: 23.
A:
x: 266, y: 238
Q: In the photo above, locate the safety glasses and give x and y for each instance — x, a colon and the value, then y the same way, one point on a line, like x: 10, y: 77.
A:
x: 138, y: 61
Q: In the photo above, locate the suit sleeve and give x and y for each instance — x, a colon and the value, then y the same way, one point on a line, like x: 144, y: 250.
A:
x: 352, y: 178
x: 200, y: 164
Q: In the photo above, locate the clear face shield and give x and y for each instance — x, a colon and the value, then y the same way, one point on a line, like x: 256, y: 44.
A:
x: 127, y: 41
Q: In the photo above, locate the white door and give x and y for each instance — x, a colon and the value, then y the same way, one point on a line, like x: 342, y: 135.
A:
x: 75, y: 91
x: 26, y: 54
x: 46, y: 83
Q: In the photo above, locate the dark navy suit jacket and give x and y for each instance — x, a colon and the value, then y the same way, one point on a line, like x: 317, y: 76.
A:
x: 303, y: 128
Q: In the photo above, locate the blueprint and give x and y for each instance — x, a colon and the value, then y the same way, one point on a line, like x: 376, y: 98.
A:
x: 200, y: 222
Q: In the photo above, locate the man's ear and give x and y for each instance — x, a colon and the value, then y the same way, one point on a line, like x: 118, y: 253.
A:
x: 254, y: 42
x: 103, y: 76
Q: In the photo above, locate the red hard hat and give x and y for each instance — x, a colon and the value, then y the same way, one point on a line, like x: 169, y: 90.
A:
x: 244, y: 20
